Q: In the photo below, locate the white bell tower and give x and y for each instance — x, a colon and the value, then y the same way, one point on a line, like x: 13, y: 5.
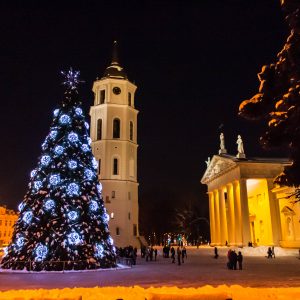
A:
x: 114, y: 144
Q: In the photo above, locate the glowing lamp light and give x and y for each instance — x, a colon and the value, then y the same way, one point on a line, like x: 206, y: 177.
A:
x: 41, y: 252
x: 78, y: 111
x: 64, y: 119
x: 49, y: 204
x: 94, y: 163
x: 74, y: 238
x: 56, y: 112
x: 85, y: 148
x: 27, y: 217
x: 59, y: 150
x: 73, y: 215
x: 73, y: 189
x: 99, y: 250
x: 72, y: 164
x: 33, y: 173
x: 54, y: 179
x: 37, y: 184
x: 45, y: 160
x: 86, y: 124
x: 53, y: 134
x: 88, y: 174
x: 94, y: 206
x: 99, y: 187
x: 73, y: 137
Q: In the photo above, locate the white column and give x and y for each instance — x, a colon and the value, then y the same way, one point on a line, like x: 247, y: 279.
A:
x: 223, y: 221
x: 237, y: 214
x: 274, y: 213
x: 230, y: 215
x: 245, y: 212
x: 212, y: 221
x: 217, y: 218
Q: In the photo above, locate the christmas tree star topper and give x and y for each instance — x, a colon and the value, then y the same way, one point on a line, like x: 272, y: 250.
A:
x: 71, y: 78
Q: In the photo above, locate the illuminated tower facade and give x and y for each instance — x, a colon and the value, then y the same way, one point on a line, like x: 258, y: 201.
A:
x: 114, y: 144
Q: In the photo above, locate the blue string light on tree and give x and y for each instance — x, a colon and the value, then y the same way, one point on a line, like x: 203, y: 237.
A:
x: 73, y: 189
x: 54, y: 179
x: 72, y: 164
x: 95, y: 163
x: 64, y: 119
x: 88, y: 174
x: 85, y: 147
x: 78, y: 111
x: 21, y: 206
x: 53, y: 134
x: 73, y: 137
x: 73, y: 215
x: 41, y: 252
x: 45, y: 160
x: 99, y: 250
x: 20, y: 241
x: 37, y: 184
x: 74, y: 238
x: 110, y: 240
x: 58, y: 150
x: 71, y: 78
x: 27, y: 217
x: 49, y: 204
x: 33, y: 173
x: 94, y: 206
x: 56, y: 112
x: 86, y: 124
x: 89, y: 140
x: 105, y: 218
x: 99, y: 187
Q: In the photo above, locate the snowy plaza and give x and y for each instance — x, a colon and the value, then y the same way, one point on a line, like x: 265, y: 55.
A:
x: 200, y: 270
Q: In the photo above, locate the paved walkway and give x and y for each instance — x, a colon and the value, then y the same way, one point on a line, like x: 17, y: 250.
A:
x: 199, y: 269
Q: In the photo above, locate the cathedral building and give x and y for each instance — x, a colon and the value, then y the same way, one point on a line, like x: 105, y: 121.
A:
x: 244, y: 204
x: 8, y: 218
x: 114, y: 144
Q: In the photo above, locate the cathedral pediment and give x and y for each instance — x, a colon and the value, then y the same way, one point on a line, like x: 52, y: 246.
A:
x: 217, y: 166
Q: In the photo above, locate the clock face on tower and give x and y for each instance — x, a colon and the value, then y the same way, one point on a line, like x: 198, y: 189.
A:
x: 116, y: 90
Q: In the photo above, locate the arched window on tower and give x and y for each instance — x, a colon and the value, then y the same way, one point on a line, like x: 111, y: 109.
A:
x: 116, y: 128
x: 129, y: 99
x: 99, y: 129
x: 131, y: 130
x: 115, y: 166
x: 102, y: 96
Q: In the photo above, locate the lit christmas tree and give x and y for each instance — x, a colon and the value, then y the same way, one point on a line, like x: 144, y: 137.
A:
x: 63, y: 221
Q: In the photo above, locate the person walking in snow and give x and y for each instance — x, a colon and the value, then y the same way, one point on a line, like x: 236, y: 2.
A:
x: 269, y: 253
x: 216, y: 253
x: 178, y: 256
x: 173, y: 255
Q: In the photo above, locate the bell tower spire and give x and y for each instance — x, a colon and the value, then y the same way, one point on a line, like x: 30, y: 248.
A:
x: 115, y: 58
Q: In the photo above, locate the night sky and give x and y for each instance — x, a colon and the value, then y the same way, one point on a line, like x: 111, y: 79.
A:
x: 193, y: 63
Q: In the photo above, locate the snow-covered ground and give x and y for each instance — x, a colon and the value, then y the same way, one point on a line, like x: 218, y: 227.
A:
x: 199, y: 269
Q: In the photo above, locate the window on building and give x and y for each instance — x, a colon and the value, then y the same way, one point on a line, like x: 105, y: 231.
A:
x: 129, y: 216
x: 117, y: 231
x: 129, y: 196
x: 99, y: 129
x: 0, y: 234
x: 5, y: 223
x: 99, y: 166
x: 112, y: 215
x: 4, y: 233
x: 134, y: 229
x: 113, y: 194
x: 116, y: 128
x: 131, y: 131
x: 0, y: 222
x: 129, y: 99
x: 107, y: 199
x: 116, y: 166
x: 102, y: 96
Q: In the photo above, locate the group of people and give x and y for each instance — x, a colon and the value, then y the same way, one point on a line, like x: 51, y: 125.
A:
x: 234, y: 260
x: 181, y: 255
x: 128, y: 252
x: 149, y: 253
x: 271, y: 252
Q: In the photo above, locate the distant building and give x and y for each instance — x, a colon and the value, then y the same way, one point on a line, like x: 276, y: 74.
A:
x: 114, y: 144
x: 245, y: 206
x: 8, y: 218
